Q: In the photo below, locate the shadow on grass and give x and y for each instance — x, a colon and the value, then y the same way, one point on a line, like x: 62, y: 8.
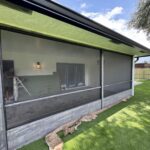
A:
x: 102, y: 116
x: 110, y: 136
x: 125, y: 126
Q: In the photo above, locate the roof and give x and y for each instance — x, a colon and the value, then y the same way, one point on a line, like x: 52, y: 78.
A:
x: 142, y: 65
x: 53, y: 20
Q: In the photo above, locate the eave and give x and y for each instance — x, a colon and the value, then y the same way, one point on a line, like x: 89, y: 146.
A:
x: 48, y: 22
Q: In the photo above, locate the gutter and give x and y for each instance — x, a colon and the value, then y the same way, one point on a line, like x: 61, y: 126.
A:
x: 137, y: 59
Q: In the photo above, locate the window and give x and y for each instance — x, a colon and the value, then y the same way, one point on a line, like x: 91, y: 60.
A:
x: 71, y: 75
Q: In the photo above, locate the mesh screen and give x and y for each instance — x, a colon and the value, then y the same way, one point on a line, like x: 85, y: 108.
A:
x: 117, y: 73
x: 63, y: 67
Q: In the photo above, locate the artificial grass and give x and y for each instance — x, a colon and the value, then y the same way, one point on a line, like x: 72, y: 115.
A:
x: 37, y: 145
x: 125, y: 126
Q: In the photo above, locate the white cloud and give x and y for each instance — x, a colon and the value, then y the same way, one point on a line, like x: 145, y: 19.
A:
x: 115, y: 11
x: 144, y: 59
x: 83, y: 5
x: 119, y: 25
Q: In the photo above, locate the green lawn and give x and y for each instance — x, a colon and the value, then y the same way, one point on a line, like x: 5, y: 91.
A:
x: 125, y: 126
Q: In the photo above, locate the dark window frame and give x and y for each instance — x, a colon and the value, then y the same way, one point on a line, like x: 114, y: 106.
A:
x: 71, y: 75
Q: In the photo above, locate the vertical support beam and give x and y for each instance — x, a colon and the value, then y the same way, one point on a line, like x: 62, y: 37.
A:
x: 3, y: 133
x: 102, y: 78
x: 133, y: 72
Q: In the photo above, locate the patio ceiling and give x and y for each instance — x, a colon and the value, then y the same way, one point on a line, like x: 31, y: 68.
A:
x: 16, y: 17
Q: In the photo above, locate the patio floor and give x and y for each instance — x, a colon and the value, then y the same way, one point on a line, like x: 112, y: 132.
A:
x: 125, y: 126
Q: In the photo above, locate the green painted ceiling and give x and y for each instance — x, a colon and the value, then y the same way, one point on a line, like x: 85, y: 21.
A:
x: 16, y: 17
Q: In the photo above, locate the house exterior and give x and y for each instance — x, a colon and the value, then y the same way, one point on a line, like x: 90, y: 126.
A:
x: 57, y: 66
x: 142, y: 65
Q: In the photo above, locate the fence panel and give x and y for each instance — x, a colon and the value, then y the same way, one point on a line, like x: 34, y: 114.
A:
x: 142, y: 73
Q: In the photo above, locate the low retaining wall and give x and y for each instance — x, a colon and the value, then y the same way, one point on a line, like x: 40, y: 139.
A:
x: 114, y: 99
x: 22, y: 135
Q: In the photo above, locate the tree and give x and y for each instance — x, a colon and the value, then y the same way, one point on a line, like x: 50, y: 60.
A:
x: 141, y: 18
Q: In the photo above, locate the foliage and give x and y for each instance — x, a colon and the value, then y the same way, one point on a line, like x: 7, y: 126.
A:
x: 141, y: 18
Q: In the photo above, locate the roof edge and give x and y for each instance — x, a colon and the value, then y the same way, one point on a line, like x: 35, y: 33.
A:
x: 60, y: 12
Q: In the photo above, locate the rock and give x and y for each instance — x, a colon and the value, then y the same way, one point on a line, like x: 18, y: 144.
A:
x: 67, y: 125
x: 78, y: 123
x: 89, y: 117
x: 72, y: 128
x: 69, y: 130
x: 54, y: 142
x: 124, y: 100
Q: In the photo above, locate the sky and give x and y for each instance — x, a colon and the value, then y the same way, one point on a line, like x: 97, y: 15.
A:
x: 114, y: 14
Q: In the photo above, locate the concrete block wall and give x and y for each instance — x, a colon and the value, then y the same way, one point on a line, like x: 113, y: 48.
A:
x: 28, y: 111
x: 22, y: 135
x: 17, y: 137
x: 114, y: 99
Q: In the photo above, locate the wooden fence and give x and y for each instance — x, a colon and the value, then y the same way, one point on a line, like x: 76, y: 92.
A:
x: 142, y: 73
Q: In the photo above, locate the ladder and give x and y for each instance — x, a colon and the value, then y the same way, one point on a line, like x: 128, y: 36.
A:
x: 19, y: 84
